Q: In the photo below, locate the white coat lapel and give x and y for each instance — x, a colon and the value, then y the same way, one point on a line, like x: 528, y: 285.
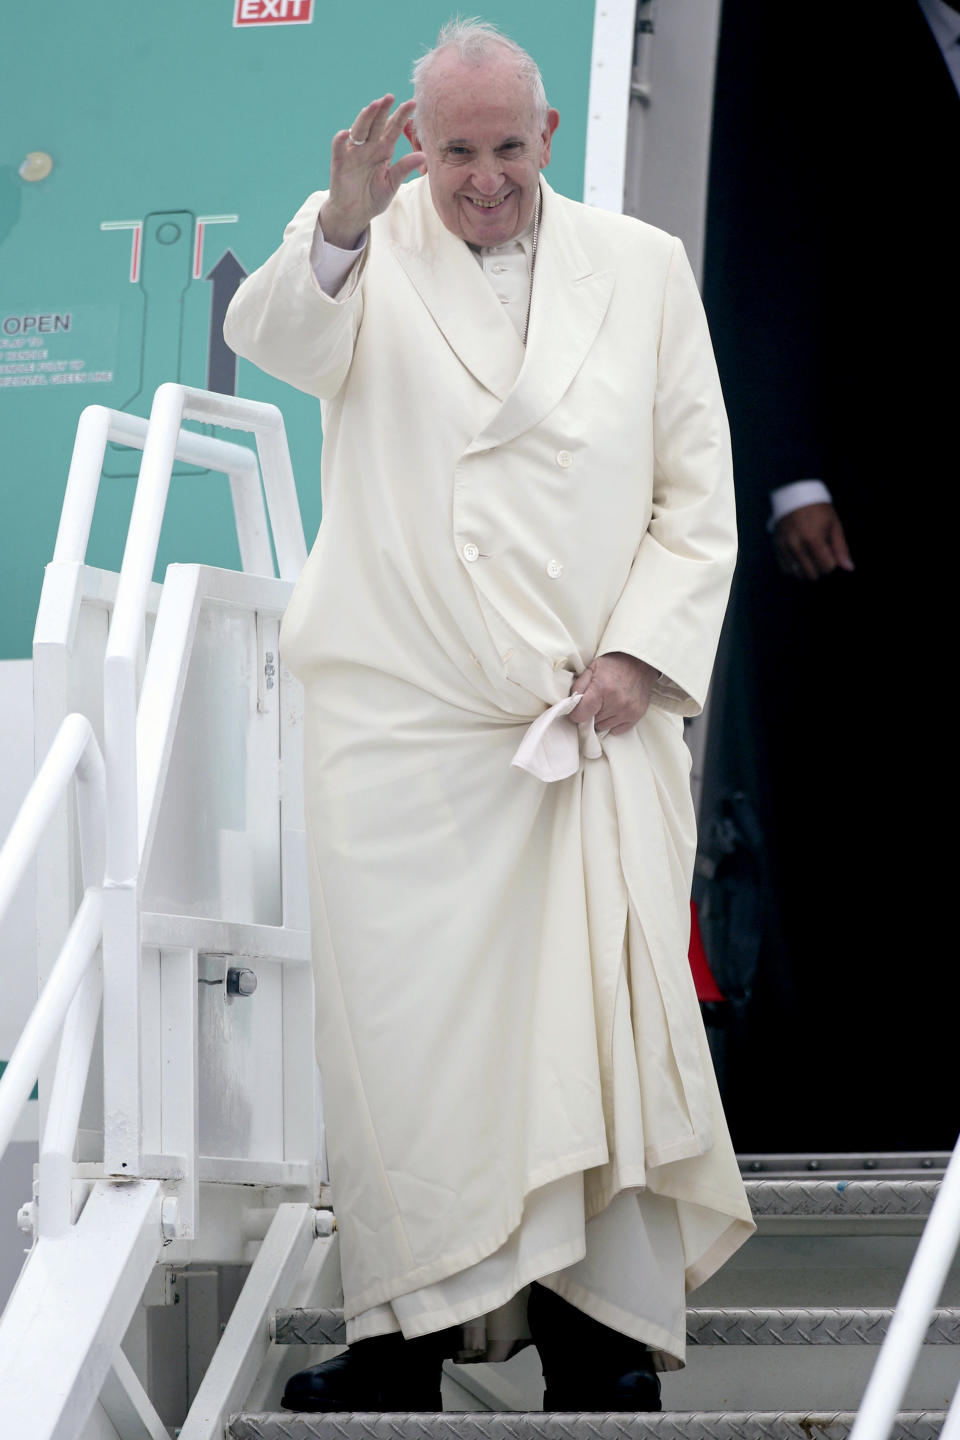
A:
x: 458, y: 295
x: 569, y: 302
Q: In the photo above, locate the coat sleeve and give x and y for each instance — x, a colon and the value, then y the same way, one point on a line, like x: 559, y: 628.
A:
x: 671, y: 608
x: 282, y: 321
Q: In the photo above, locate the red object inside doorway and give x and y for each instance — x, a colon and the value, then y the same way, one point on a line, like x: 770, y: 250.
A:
x: 707, y: 988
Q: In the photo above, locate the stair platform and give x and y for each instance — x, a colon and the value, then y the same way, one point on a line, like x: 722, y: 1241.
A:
x: 668, y: 1425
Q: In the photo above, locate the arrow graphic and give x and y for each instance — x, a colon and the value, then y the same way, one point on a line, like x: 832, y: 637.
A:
x: 221, y: 361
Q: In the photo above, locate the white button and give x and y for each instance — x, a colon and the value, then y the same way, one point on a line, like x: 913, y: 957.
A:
x: 504, y: 300
x: 499, y: 269
x: 470, y: 552
x: 554, y: 569
x: 564, y: 458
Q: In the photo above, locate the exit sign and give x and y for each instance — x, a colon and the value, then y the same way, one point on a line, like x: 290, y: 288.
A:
x: 273, y: 12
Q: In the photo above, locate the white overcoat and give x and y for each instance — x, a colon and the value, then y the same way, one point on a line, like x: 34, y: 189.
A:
x: 492, y: 520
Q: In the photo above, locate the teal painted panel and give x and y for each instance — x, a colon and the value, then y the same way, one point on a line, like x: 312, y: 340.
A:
x: 34, y: 1093
x: 169, y: 118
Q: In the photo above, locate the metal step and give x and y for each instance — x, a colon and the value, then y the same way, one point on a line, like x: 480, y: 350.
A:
x: 831, y: 1198
x: 670, y: 1425
x: 720, y: 1326
x: 808, y: 1326
x: 841, y: 1206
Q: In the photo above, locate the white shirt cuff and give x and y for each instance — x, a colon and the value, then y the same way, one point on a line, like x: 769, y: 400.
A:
x: 330, y: 264
x: 794, y: 496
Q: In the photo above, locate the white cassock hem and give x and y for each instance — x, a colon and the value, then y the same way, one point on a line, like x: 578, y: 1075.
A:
x: 624, y: 1268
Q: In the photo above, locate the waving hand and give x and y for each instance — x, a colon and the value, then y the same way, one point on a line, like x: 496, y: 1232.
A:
x: 363, y: 175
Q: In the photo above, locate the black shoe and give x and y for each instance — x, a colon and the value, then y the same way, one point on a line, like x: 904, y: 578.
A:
x: 586, y: 1365
x: 383, y: 1373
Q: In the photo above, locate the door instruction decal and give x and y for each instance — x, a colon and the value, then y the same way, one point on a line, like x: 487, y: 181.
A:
x: 51, y: 347
x: 171, y: 330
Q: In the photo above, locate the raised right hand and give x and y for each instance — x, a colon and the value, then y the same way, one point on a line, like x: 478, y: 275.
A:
x: 363, y: 177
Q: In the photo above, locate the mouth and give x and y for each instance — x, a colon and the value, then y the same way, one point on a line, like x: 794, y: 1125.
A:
x: 479, y: 204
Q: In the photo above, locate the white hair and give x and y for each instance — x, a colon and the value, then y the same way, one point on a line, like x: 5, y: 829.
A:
x: 475, y: 42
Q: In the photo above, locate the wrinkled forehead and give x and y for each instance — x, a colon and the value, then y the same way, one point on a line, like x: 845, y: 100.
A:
x: 488, y: 102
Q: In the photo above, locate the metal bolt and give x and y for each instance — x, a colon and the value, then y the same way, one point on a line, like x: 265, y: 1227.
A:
x: 27, y: 1216
x: 240, y: 981
x: 324, y: 1223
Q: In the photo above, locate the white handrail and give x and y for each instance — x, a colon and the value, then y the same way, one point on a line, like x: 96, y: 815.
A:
x: 48, y: 1014
x: 266, y: 423
x: 951, y: 1426
x: 98, y: 426
x: 66, y: 1099
x: 918, y: 1298
x: 74, y: 749
x: 74, y: 752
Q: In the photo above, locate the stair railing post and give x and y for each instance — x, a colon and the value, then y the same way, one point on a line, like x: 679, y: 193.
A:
x: 122, y: 1039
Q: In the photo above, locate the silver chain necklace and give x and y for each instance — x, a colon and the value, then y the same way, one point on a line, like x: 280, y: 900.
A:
x: 533, y: 266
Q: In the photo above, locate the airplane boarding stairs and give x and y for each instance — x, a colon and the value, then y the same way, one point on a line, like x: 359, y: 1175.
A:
x: 183, y: 1256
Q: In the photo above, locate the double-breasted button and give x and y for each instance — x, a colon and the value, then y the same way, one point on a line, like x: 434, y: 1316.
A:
x: 470, y: 552
x: 564, y: 458
x: 554, y: 569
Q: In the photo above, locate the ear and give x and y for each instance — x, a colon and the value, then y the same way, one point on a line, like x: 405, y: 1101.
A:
x: 410, y: 131
x: 553, y: 120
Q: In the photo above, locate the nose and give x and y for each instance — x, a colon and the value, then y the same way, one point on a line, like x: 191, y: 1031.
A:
x: 487, y: 177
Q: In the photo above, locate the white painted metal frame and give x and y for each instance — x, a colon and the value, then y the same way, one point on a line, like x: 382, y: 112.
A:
x: 101, y: 1256
x: 173, y: 404
x: 55, y: 1358
x: 608, y: 106
x: 246, y: 1341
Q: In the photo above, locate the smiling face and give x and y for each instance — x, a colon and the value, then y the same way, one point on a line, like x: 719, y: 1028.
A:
x: 484, y: 147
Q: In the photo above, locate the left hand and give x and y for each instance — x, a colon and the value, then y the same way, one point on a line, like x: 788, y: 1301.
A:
x: 616, y: 690
x: 810, y: 542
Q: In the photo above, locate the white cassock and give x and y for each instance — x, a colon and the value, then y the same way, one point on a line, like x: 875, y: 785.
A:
x: 516, y: 1080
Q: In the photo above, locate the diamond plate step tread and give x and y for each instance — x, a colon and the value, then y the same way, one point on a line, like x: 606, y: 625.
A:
x: 670, y: 1425
x: 871, y: 1199
x: 309, y: 1327
x: 725, y: 1326
x: 808, y: 1326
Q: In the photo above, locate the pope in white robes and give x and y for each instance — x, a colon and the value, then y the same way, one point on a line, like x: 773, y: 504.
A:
x: 527, y: 497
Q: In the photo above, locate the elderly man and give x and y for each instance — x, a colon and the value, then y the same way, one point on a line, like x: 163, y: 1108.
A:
x: 513, y: 600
